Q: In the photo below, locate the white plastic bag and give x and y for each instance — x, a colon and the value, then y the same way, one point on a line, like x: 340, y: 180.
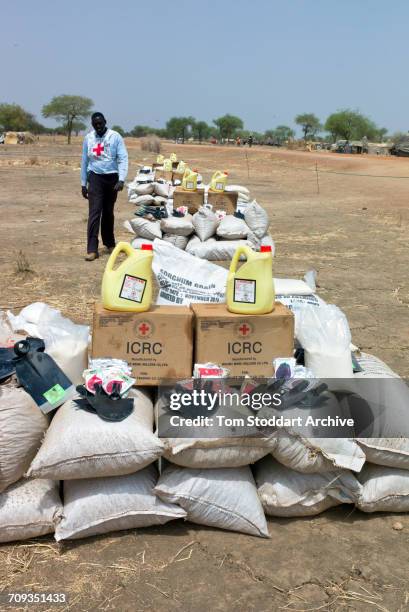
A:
x: 232, y: 228
x: 325, y: 336
x: 65, y: 341
x: 205, y: 223
x: 183, y: 278
x: 223, y: 498
x: 256, y: 218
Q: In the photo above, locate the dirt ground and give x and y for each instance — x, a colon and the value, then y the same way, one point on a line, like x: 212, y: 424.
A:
x: 345, y: 216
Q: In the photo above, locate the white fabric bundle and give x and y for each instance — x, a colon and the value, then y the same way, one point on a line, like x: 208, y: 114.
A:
x: 256, y: 218
x: 142, y: 199
x: 145, y: 228
x: 224, y: 249
x: 78, y: 444
x: 285, y: 492
x: 181, y: 226
x: 160, y: 201
x: 29, y: 509
x: 232, y: 228
x: 22, y: 427
x: 205, y: 223
x: 223, y: 498
x: 101, y: 505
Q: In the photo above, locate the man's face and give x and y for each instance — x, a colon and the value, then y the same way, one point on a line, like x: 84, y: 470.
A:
x: 99, y: 125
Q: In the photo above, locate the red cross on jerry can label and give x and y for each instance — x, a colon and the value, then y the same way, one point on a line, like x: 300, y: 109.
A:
x: 98, y: 150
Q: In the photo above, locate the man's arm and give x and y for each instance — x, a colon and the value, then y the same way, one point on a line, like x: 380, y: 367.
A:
x: 84, y: 167
x: 122, y: 159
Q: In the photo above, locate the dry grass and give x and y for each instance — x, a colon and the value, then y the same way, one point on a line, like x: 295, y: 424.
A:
x: 23, y: 265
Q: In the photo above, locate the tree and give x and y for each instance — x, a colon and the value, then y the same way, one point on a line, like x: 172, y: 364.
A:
x: 117, y: 128
x: 201, y: 130
x: 68, y: 108
x: 348, y: 124
x: 309, y: 123
x: 13, y: 118
x: 228, y: 125
x: 399, y: 137
x: 280, y: 134
x: 178, y: 127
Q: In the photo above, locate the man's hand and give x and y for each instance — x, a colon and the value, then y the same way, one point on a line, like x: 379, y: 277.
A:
x: 84, y: 192
x: 119, y: 186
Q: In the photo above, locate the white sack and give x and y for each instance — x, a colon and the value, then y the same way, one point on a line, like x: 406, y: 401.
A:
x: 139, y: 189
x: 205, y: 453
x: 144, y: 228
x: 238, y: 188
x: 160, y: 201
x: 183, y: 278
x: 384, y: 489
x: 205, y: 223
x: 178, y: 241
x: 223, y: 498
x: 379, y: 405
x: 198, y: 248
x: 22, y: 427
x: 291, y: 286
x: 181, y: 226
x: 101, y: 505
x: 29, y: 509
x: 162, y: 189
x: 232, y: 228
x: 223, y: 250
x: 284, y: 492
x: 142, y: 199
x: 78, y: 444
x: 256, y: 218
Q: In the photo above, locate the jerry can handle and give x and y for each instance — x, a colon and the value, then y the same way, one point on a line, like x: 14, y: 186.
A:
x: 241, y: 250
x: 121, y: 247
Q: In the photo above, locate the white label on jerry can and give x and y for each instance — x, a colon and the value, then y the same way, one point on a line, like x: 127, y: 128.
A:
x: 132, y: 288
x: 244, y: 291
x: 220, y: 186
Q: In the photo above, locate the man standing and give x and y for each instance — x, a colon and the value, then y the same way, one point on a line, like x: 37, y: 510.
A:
x: 104, y: 167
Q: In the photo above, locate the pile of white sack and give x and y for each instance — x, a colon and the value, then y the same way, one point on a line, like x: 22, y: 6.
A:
x: 78, y: 475
x: 207, y: 234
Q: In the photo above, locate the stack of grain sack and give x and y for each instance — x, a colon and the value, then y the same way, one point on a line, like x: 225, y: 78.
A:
x: 207, y: 234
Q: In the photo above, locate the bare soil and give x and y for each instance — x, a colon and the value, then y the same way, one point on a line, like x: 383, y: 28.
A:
x: 345, y: 216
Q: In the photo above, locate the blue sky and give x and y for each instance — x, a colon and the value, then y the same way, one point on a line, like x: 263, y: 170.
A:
x: 265, y: 61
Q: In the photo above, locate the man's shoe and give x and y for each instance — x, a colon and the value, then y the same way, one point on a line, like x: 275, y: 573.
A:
x: 108, y: 250
x: 91, y: 256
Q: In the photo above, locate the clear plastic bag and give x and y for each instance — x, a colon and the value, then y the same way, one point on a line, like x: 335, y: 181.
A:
x: 325, y: 336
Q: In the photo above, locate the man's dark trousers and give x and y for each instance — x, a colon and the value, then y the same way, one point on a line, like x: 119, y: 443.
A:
x: 101, y: 199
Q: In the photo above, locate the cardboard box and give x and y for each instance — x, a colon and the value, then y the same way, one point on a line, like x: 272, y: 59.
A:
x: 192, y: 199
x: 226, y: 200
x: 177, y: 176
x: 163, y: 174
x: 157, y: 344
x: 245, y: 344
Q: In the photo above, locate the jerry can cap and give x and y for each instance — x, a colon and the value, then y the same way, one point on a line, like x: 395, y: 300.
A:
x: 263, y: 249
x: 149, y: 247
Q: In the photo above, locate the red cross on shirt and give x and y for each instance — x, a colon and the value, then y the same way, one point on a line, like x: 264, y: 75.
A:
x: 244, y: 329
x: 143, y: 328
x: 98, y: 149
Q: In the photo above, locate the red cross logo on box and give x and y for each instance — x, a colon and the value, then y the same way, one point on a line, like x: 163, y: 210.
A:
x: 98, y: 149
x: 244, y: 329
x: 144, y: 329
